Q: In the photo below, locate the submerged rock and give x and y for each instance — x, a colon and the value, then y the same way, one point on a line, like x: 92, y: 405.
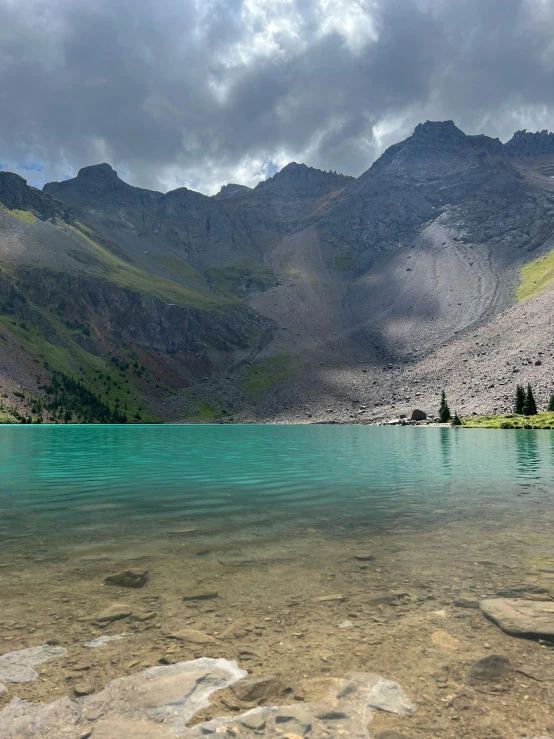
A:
x: 161, y: 701
x: 114, y: 613
x: 17, y: 667
x: 488, y: 669
x: 193, y: 636
x: 203, y: 595
x: 102, y: 640
x: 131, y: 578
x: 521, y: 617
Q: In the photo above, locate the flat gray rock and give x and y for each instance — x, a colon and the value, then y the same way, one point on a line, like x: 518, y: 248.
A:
x: 103, y: 640
x: 521, y: 617
x: 160, y: 702
x: 17, y: 667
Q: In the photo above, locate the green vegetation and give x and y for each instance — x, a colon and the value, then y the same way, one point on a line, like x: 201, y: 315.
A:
x: 529, y: 405
x: 536, y: 276
x: 444, y: 410
x: 550, y: 407
x: 116, y: 270
x: 9, y: 415
x: 289, y: 271
x: 540, y: 421
x: 25, y: 216
x: 259, y: 377
x: 112, y: 383
x: 181, y: 269
x: 519, y: 399
x: 240, y: 278
x: 204, y: 411
x: 69, y: 400
x: 343, y: 262
x: 456, y: 420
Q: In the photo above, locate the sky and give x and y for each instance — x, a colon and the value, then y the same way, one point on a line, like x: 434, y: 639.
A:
x: 199, y: 93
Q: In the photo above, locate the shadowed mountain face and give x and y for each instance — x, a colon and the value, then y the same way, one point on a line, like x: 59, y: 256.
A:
x: 260, y: 302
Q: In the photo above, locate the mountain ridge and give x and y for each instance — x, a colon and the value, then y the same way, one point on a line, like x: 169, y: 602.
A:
x: 281, y: 290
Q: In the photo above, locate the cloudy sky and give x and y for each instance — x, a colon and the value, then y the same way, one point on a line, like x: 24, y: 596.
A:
x: 204, y: 92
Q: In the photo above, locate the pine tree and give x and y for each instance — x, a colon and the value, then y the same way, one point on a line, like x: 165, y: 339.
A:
x: 551, y: 403
x: 456, y: 420
x: 520, y: 399
x: 529, y: 407
x: 444, y: 410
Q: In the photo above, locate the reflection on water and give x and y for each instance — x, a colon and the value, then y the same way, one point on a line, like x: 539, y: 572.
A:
x: 528, y: 458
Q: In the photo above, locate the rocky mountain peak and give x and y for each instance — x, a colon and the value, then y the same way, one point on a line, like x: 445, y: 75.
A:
x: 99, y: 173
x: 299, y: 179
x: 16, y: 194
x: 232, y: 190
x: 438, y: 131
x: 99, y: 185
x: 526, y: 144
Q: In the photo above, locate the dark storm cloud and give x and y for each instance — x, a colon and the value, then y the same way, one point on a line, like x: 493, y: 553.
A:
x: 200, y: 92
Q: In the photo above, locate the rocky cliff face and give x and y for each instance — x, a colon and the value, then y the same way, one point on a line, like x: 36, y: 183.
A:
x: 411, y: 184
x: 15, y: 194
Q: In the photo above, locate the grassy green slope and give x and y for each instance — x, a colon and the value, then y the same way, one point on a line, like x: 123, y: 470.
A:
x: 114, y: 269
x: 540, y: 421
x: 536, y: 276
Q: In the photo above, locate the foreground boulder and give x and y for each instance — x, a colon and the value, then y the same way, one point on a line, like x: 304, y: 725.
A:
x: 418, y: 415
x: 160, y: 702
x: 521, y: 617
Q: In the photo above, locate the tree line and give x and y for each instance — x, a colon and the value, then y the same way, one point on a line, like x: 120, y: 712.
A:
x: 524, y: 405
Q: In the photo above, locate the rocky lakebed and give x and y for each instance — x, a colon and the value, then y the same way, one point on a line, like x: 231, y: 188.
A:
x: 327, y: 631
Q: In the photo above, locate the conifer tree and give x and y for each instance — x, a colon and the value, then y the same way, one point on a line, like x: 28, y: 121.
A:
x: 520, y: 399
x: 456, y: 420
x: 529, y: 407
x: 551, y: 403
x: 444, y: 410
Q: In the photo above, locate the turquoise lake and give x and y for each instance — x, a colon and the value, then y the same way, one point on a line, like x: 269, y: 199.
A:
x: 127, y: 477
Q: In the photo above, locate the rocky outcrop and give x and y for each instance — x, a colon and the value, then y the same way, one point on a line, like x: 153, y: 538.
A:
x: 298, y: 180
x: 526, y: 144
x: 16, y: 194
x: 232, y: 190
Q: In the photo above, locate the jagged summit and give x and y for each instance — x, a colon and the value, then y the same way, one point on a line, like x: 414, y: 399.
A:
x: 232, y: 190
x: 299, y: 179
x: 526, y: 144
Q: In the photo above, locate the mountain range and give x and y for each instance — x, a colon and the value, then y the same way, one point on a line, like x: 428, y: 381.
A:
x: 313, y: 296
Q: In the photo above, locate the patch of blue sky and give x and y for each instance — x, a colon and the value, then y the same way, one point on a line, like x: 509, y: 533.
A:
x: 32, y: 167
